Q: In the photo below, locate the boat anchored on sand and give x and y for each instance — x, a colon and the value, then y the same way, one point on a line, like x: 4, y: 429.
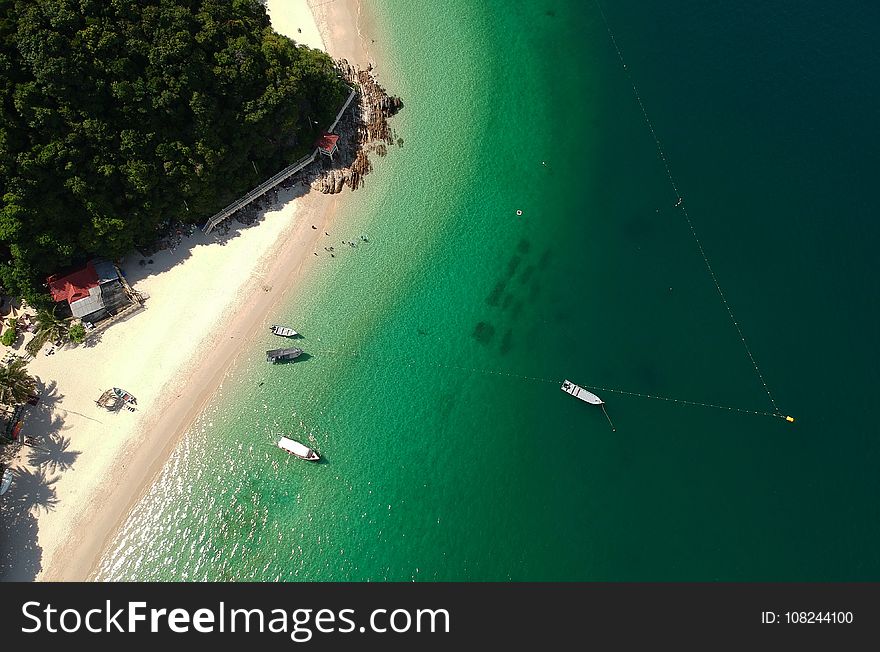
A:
x: 587, y: 397
x: 299, y: 450
x: 115, y: 398
x: 280, y: 355
x: 283, y: 331
x: 125, y: 396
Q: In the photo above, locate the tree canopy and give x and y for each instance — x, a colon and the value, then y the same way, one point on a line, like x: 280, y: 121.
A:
x: 118, y: 116
x: 16, y: 385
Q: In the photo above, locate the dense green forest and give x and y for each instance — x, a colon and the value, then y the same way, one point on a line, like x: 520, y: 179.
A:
x: 119, y: 115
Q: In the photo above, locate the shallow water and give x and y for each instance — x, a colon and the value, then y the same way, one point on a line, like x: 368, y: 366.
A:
x: 437, y: 347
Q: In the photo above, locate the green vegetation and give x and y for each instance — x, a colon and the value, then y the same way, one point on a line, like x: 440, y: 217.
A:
x: 16, y: 385
x: 9, y: 334
x: 117, y: 116
x: 77, y: 333
x: 50, y: 328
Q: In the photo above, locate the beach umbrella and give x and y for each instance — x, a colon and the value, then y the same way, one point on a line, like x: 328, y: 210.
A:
x: 14, y: 308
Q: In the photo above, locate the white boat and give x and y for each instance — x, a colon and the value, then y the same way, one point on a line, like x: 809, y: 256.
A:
x: 587, y: 397
x: 283, y: 331
x: 300, y: 450
x: 579, y: 392
x: 5, y: 481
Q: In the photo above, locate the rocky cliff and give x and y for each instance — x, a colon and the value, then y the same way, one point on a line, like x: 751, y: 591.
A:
x: 363, y: 130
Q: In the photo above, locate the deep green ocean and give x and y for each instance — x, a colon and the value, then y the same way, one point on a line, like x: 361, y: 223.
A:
x: 437, y: 348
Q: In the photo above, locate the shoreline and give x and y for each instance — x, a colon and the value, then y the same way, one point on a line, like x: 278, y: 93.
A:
x: 339, y: 24
x: 79, y: 558
x: 118, y: 465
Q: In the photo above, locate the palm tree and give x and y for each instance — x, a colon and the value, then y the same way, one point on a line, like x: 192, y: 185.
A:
x: 49, y: 327
x: 16, y: 385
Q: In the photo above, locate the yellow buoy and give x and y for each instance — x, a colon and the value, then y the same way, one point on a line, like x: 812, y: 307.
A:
x: 789, y: 419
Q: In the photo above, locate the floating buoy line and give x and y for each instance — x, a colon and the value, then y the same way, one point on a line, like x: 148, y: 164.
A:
x: 556, y: 381
x: 680, y: 205
x: 682, y: 401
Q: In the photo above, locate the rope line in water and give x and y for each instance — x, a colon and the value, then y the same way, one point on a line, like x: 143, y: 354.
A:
x: 687, y: 217
x: 491, y: 372
x: 685, y: 402
x: 610, y: 422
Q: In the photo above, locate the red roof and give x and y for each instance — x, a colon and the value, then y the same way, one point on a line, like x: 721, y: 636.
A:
x: 327, y: 141
x: 73, y: 286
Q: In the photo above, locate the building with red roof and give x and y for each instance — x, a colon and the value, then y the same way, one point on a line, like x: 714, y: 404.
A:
x: 327, y: 144
x: 92, y: 292
x: 73, y: 286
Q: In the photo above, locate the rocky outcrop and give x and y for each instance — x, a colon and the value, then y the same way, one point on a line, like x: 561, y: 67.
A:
x: 363, y: 130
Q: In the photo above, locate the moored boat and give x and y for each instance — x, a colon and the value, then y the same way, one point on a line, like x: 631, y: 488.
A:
x: 587, y: 397
x: 109, y: 401
x: 579, y: 392
x: 280, y: 355
x: 283, y: 331
x: 125, y: 396
x: 299, y: 450
x: 115, y: 399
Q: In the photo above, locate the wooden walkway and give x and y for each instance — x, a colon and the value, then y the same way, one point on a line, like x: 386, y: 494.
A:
x: 341, y: 111
x: 267, y: 185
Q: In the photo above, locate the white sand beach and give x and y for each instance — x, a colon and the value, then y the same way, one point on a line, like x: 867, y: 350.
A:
x: 294, y: 19
x: 205, y: 297
x: 341, y: 24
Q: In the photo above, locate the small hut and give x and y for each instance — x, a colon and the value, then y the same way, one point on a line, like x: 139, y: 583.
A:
x: 327, y: 144
x: 92, y: 292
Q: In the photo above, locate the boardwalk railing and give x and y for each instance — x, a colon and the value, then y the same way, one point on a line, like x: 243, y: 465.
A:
x: 342, y: 110
x: 266, y: 186
x: 259, y: 190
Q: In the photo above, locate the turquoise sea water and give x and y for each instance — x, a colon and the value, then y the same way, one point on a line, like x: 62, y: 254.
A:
x: 437, y: 347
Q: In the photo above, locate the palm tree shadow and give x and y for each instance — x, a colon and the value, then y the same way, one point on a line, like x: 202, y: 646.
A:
x: 53, y: 453
x: 31, y: 489
x: 48, y: 393
x: 50, y: 447
x: 20, y: 556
